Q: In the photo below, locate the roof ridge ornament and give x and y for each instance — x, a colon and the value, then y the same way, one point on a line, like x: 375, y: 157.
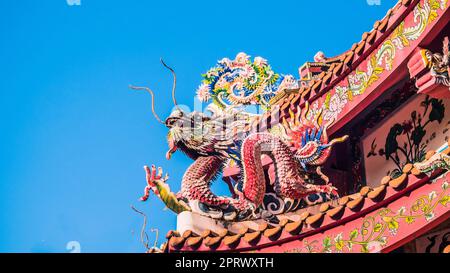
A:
x: 243, y: 82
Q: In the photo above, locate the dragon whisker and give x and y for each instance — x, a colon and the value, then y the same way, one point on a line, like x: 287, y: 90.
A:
x: 153, y: 100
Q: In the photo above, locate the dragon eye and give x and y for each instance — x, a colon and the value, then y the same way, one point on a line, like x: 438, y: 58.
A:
x: 170, y: 122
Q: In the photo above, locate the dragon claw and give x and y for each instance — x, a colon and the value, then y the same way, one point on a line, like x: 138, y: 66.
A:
x: 328, y: 189
x: 151, y: 176
x: 160, y: 172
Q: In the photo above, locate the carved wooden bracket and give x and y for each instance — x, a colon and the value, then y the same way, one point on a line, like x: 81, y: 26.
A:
x: 431, y: 71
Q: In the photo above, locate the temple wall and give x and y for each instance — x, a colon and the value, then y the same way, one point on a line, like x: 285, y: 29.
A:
x: 405, y: 136
x: 434, y: 242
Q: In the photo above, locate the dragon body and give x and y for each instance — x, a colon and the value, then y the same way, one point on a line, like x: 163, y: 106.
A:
x: 296, y: 153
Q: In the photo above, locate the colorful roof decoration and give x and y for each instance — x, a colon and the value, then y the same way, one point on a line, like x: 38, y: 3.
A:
x: 346, y: 80
x: 243, y: 82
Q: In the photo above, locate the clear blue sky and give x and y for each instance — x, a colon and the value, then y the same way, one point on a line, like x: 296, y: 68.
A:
x: 74, y: 138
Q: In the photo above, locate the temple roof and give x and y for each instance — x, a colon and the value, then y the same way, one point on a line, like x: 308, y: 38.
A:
x: 339, y: 67
x: 313, y: 220
x: 317, y: 79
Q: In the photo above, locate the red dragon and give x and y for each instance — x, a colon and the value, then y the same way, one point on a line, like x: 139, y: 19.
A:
x: 213, y: 141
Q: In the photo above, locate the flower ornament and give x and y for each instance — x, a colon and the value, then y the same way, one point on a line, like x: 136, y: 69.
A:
x: 203, y: 93
x: 259, y: 61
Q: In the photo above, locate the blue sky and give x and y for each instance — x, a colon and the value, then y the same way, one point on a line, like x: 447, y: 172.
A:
x: 74, y: 138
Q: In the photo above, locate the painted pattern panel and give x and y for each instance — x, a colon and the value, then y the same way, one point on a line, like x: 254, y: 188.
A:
x: 422, y: 124
x: 381, y: 229
x: 380, y: 63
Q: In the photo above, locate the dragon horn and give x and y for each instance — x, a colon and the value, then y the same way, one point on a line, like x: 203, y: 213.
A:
x: 153, y: 99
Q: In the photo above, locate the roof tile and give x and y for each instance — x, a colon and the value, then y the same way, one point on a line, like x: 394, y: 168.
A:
x: 385, y: 180
x: 273, y: 233
x: 343, y: 200
x: 314, y: 220
x: 355, y: 204
x: 336, y: 213
x: 364, y: 191
x: 377, y: 192
x: 212, y: 242
x: 294, y: 228
x: 400, y: 181
x: 232, y: 240
x: 252, y: 237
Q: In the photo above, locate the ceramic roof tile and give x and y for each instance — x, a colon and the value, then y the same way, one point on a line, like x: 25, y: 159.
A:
x: 364, y: 191
x: 338, y: 69
x: 344, y: 200
x: 338, y: 65
x: 327, y: 78
x: 377, y: 192
x: 194, y: 242
x: 316, y: 86
x: 383, y: 24
x: 371, y: 38
x: 273, y: 233
x: 349, y: 59
x: 304, y: 215
x: 356, y: 203
x: 385, y: 180
x: 232, y: 240
x: 294, y: 228
x: 212, y: 242
x: 252, y: 237
x: 360, y: 48
x: 315, y: 220
x: 324, y: 207
x: 336, y: 213
x: 399, y: 181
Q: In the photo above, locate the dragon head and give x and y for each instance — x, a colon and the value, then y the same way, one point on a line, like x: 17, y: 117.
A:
x: 197, y: 134
x: 187, y: 132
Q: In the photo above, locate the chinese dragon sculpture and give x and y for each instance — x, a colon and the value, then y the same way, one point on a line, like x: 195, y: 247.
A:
x: 297, y: 148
